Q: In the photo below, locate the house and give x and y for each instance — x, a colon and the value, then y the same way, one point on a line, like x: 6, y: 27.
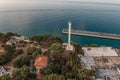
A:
x: 2, y: 71
x: 21, y: 38
x: 40, y: 62
x: 5, y: 71
x: 11, y: 42
x: 15, y: 40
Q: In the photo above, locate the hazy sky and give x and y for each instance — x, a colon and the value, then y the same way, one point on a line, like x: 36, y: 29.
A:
x: 23, y: 1
x: 51, y: 4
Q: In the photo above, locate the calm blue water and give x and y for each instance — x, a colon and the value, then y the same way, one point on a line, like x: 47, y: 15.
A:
x: 45, y: 18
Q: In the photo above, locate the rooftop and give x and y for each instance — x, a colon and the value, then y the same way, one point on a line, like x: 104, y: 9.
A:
x: 99, y: 51
x: 41, y: 61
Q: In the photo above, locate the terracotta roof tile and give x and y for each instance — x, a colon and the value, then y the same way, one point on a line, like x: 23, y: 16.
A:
x: 41, y: 61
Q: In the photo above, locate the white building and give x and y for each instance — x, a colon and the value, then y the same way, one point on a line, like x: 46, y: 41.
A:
x: 3, y: 71
x: 21, y: 38
x: 11, y: 42
x: 15, y: 39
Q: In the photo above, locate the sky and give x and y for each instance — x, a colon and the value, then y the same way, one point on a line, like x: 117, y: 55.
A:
x: 98, y: 1
x: 50, y: 4
x: 28, y: 1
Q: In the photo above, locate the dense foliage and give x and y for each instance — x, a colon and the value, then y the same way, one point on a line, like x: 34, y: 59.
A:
x: 47, y: 39
x: 78, y: 49
x: 56, y: 49
x: 7, y: 55
x: 18, y: 52
x: 54, y: 77
x: 67, y: 68
x: 55, y: 58
x: 22, y: 60
x: 34, y: 51
x: 5, y: 77
x: 5, y: 37
x: 9, y: 48
x: 26, y: 59
x: 59, y: 67
x: 24, y: 73
x: 4, y: 58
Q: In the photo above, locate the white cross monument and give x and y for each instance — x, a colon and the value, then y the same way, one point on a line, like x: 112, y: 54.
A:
x: 69, y: 46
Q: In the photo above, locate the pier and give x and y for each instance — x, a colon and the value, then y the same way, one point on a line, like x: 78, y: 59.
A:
x: 93, y: 34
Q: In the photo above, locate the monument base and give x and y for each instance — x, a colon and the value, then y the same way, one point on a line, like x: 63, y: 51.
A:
x: 69, y: 48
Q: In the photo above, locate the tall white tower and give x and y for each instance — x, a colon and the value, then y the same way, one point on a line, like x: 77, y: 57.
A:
x: 69, y: 32
x: 69, y: 46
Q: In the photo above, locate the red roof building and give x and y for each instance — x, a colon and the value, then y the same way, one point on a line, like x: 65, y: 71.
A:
x: 41, y: 61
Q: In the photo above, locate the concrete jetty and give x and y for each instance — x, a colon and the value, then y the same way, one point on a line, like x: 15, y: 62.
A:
x: 93, y: 34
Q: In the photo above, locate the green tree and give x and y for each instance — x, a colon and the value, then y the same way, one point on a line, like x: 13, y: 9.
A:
x: 54, y: 60
x: 5, y: 77
x: 54, y: 77
x: 55, y: 39
x: 50, y: 68
x: 4, y: 58
x: 21, y: 60
x: 24, y: 73
x: 78, y: 49
x: 71, y: 79
x: 68, y: 66
x: 73, y: 59
x: 83, y: 74
x: 47, y: 39
x: 7, y: 55
x: 56, y: 49
x: 72, y: 65
x: 34, y: 50
x: 9, y: 48
x: 18, y: 52
x: 5, y: 37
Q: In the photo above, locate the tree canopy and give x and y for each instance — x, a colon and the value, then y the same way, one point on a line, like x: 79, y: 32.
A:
x: 78, y: 49
x: 5, y: 37
x: 24, y: 73
x: 9, y: 48
x: 47, y: 39
x: 21, y: 60
x: 54, y: 77
x: 7, y: 54
x: 67, y: 68
x: 5, y: 77
x: 33, y: 51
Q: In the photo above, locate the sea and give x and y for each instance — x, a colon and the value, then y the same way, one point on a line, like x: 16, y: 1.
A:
x: 50, y: 17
